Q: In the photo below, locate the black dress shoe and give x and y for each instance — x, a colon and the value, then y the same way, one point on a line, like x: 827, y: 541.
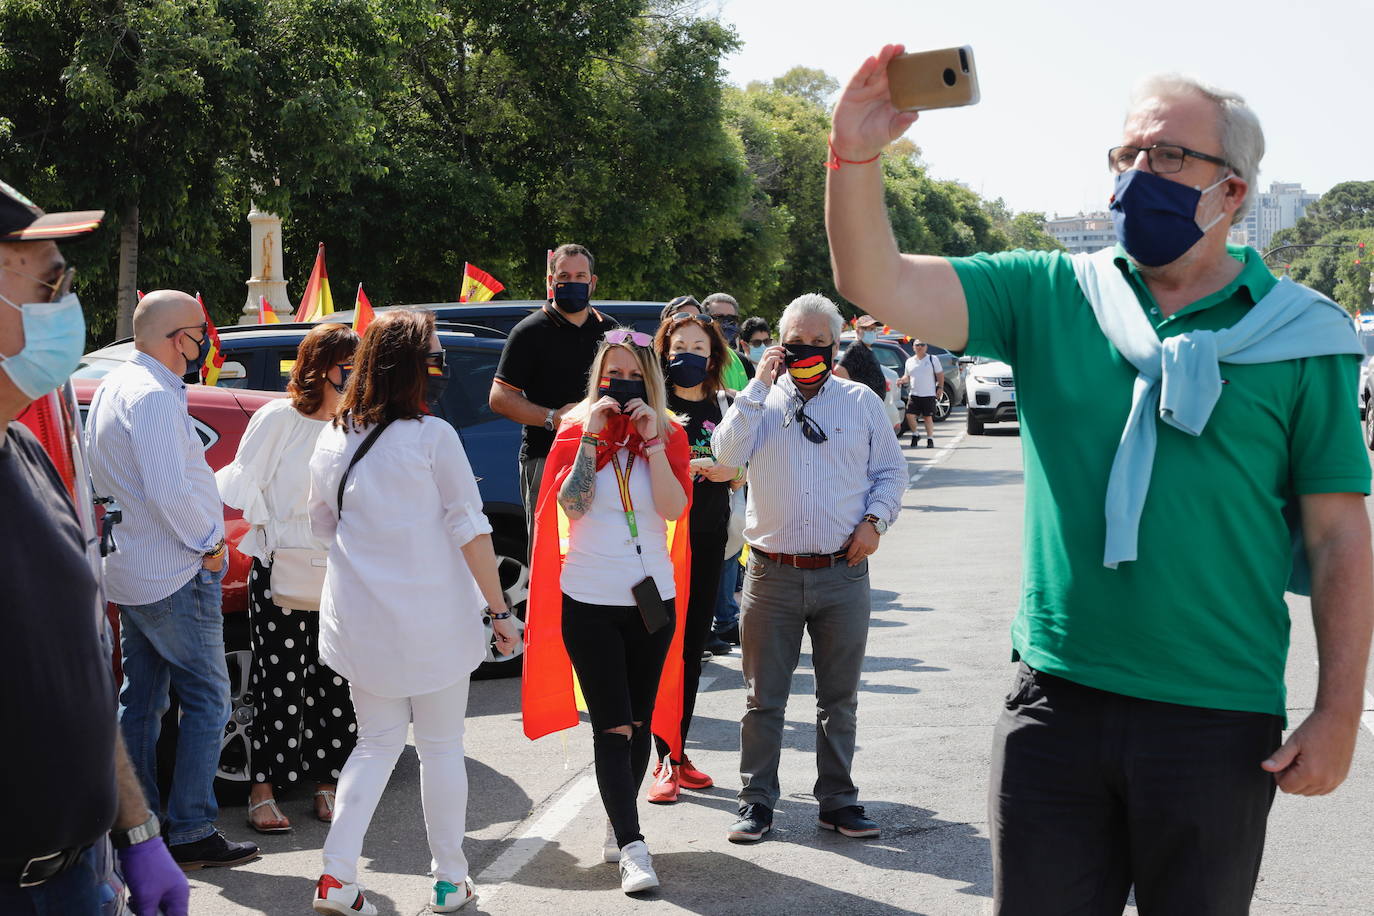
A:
x: 755, y: 819
x: 730, y: 634
x: 717, y: 646
x: 850, y: 821
x: 215, y: 851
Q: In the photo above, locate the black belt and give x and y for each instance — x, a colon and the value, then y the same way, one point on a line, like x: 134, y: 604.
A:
x: 39, y: 869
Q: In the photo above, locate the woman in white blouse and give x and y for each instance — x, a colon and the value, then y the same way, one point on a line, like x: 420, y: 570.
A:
x: 411, y: 575
x: 304, y: 725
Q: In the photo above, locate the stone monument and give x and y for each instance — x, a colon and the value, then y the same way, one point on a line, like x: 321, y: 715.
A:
x: 266, y: 278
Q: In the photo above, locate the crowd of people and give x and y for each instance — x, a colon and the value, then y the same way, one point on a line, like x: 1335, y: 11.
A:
x: 1141, y: 743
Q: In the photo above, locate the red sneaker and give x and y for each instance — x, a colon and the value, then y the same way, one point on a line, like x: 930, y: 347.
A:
x: 689, y: 777
x: 665, y: 789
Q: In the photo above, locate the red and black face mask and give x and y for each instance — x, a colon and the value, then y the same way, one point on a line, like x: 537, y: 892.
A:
x: 807, y: 364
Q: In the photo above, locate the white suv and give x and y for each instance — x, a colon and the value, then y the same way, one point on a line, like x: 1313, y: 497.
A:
x: 991, y: 393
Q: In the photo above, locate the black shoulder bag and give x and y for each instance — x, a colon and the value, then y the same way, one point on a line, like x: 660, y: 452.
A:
x: 358, y: 456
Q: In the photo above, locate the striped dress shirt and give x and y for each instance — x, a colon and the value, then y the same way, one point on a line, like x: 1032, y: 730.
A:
x: 144, y: 452
x: 808, y: 497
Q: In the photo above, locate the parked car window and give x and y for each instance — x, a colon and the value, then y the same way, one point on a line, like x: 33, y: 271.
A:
x: 252, y: 368
x: 470, y: 374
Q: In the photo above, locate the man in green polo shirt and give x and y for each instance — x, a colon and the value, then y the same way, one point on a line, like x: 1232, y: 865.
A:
x: 1142, y: 739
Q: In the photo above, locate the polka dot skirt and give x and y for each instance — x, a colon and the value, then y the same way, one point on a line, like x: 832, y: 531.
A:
x: 293, y: 736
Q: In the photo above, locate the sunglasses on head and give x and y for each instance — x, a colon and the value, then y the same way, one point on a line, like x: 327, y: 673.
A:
x: 688, y: 316
x: 625, y: 335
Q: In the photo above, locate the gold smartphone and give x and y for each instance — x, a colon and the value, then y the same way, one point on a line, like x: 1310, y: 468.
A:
x: 933, y: 79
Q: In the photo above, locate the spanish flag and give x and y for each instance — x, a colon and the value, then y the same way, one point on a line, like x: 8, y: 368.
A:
x: 317, y: 300
x: 548, y: 690
x: 362, y: 312
x: 214, y: 360
x: 809, y: 369
x: 266, y: 314
x: 478, y: 285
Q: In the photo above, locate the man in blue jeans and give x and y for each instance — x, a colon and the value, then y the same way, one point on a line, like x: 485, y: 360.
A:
x: 165, y: 576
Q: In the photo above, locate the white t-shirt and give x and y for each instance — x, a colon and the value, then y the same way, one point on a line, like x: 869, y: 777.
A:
x: 401, y: 614
x: 922, y: 371
x: 601, y: 566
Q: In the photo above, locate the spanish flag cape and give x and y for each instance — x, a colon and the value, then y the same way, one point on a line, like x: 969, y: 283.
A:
x: 548, y: 695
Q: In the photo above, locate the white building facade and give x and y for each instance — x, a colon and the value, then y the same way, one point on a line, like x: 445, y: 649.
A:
x: 1086, y: 232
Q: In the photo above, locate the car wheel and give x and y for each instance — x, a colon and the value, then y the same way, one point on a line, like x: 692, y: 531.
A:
x: 515, y: 582
x: 942, y: 405
x: 235, y: 771
x: 975, y: 425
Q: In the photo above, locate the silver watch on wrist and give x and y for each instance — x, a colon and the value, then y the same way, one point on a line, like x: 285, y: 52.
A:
x: 123, y: 839
x: 878, y: 524
x: 548, y: 419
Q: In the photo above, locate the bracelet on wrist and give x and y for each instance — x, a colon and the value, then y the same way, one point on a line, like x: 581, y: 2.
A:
x: 835, y: 159
x: 504, y: 615
x: 653, y: 450
x: 593, y: 439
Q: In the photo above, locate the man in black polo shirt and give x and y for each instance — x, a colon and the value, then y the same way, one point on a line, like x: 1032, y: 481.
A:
x: 543, y: 370
x: 65, y: 778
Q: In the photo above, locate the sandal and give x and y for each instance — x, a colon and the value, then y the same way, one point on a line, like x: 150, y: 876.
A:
x: 283, y: 825
x: 328, y: 815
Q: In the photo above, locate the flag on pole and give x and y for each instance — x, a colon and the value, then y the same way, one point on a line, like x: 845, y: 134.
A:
x: 362, y: 312
x: 317, y: 301
x: 214, y: 359
x: 140, y: 294
x: 548, y: 273
x: 266, y: 314
x: 478, y: 285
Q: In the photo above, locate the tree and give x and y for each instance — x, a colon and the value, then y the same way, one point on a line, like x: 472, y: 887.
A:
x: 1348, y: 205
x: 808, y: 83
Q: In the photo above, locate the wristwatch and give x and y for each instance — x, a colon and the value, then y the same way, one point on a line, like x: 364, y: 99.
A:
x: 548, y: 419
x: 123, y: 839
x: 879, y: 525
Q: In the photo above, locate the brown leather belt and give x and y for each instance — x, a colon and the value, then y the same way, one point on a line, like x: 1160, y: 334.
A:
x: 805, y: 560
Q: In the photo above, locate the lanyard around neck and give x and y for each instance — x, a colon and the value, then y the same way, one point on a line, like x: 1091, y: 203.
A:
x: 622, y: 480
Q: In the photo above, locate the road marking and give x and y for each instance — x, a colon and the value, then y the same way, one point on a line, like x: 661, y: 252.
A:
x: 944, y: 452
x: 539, y: 834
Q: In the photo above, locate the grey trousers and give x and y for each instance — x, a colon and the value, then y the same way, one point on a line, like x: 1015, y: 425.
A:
x: 780, y: 602
x: 531, y: 476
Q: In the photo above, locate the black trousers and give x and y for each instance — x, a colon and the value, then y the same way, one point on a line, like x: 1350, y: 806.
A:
x: 708, y: 557
x: 304, y: 725
x: 618, y: 663
x: 1093, y: 792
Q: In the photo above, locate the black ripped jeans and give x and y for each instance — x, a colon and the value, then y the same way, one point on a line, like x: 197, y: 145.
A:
x: 618, y: 664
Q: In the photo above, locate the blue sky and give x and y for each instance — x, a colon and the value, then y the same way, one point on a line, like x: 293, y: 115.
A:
x: 1055, y: 79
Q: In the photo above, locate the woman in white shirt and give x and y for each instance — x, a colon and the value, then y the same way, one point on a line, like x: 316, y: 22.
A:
x: 304, y: 724
x: 411, y: 574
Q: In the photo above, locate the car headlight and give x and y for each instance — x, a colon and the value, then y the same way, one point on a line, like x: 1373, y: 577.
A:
x: 986, y: 379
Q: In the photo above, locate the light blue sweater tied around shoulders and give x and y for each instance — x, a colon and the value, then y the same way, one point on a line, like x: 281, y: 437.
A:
x: 1180, y: 379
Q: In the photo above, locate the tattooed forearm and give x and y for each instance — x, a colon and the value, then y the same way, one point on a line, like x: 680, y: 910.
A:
x: 576, y: 495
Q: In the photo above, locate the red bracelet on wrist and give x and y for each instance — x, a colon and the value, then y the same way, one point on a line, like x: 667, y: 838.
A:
x: 835, y: 159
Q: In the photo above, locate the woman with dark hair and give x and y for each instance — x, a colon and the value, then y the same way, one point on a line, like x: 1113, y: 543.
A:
x: 411, y: 575
x: 693, y: 352
x: 304, y: 725
x: 619, y: 473
x: 678, y: 304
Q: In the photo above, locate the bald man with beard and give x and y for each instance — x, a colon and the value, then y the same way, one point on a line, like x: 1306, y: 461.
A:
x: 165, y: 576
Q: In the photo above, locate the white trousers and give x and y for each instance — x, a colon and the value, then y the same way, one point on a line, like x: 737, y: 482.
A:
x: 382, y: 723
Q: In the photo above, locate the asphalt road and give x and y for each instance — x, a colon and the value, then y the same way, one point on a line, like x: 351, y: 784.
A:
x: 945, y: 583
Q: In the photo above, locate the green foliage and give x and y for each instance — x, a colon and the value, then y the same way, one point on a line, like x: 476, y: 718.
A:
x: 1334, y: 225
x: 412, y: 135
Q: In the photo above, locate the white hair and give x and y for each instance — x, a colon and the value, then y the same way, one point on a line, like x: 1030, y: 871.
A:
x: 1242, y: 138
x: 811, y: 304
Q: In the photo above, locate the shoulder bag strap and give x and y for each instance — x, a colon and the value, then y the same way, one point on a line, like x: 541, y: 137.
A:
x: 358, y: 456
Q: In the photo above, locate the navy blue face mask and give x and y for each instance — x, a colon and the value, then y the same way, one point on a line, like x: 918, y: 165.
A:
x: 193, y: 366
x: 1155, y: 218
x: 687, y: 370
x: 572, y: 297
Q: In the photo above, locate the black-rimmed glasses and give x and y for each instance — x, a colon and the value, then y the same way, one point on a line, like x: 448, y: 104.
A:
x: 1164, y: 159
x: 809, y: 427
x: 203, y: 327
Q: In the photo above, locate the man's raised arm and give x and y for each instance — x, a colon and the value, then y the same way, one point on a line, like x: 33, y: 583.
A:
x: 919, y: 294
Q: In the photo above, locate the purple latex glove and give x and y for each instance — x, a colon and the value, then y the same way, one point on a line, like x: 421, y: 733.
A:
x: 156, y: 882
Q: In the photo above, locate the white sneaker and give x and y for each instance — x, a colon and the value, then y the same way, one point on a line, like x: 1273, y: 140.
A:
x: 636, y: 868
x: 333, y: 896
x: 610, y: 847
x: 447, y: 896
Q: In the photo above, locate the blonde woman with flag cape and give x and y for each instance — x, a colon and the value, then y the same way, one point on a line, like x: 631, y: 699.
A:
x: 611, y: 563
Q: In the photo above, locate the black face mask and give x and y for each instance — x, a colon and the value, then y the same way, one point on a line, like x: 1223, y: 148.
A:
x: 623, y: 390
x: 343, y: 379
x: 197, y: 362
x: 807, y: 364
x: 687, y: 370
x: 572, y: 297
x: 435, y: 386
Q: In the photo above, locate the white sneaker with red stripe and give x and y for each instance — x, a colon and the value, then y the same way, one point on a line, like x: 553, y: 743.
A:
x: 333, y: 896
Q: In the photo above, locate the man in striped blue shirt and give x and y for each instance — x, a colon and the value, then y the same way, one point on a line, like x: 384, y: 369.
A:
x: 826, y: 476
x: 165, y: 575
